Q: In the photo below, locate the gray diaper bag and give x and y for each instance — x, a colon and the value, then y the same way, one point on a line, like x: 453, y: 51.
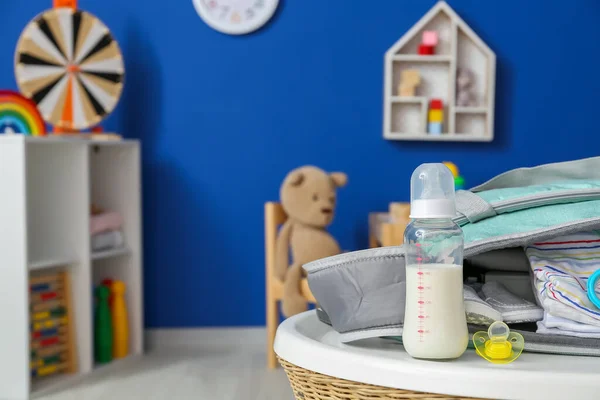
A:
x: 361, y: 294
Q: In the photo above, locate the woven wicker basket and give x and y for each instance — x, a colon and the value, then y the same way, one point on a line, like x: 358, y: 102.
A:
x: 309, y: 385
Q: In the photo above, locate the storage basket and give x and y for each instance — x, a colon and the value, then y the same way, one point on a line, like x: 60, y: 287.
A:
x: 309, y: 385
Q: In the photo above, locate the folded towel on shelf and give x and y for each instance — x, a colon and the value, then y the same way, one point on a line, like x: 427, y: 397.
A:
x: 107, y: 240
x: 561, y: 267
x: 107, y: 221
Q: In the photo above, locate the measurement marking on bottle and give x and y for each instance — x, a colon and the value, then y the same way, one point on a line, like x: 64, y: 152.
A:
x: 421, y: 287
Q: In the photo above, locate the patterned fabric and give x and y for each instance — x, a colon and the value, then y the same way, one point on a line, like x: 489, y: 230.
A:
x: 561, y: 267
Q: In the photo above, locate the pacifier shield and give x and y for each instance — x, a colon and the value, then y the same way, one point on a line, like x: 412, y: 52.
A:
x: 499, y: 345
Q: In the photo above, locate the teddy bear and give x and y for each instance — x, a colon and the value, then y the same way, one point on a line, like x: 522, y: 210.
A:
x: 465, y: 80
x: 308, y: 196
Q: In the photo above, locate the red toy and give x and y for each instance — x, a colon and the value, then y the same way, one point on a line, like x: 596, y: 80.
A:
x: 436, y: 104
x: 426, y: 50
x: 428, y: 43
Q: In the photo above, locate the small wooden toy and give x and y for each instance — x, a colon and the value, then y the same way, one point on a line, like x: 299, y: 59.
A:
x: 465, y: 96
x: 52, y: 347
x: 426, y: 50
x: 108, y: 283
x: 409, y: 80
x: 103, y: 339
x: 434, y: 128
x: 459, y: 181
x: 430, y: 38
x: 120, y: 325
x: 452, y: 167
x: 436, y: 104
x: 435, y: 117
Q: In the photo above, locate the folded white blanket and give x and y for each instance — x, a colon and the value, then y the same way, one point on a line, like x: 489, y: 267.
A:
x: 107, y: 240
x: 543, y: 329
x: 552, y: 321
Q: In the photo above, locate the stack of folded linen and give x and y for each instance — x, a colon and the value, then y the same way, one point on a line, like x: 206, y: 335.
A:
x: 561, y: 268
x: 105, y: 229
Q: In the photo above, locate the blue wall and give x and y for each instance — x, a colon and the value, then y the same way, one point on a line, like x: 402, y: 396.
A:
x: 223, y: 118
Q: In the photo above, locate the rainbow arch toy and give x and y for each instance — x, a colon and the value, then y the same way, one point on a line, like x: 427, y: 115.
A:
x: 19, y: 115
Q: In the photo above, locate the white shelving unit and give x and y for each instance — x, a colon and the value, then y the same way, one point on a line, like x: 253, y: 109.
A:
x: 405, y: 118
x: 47, y: 187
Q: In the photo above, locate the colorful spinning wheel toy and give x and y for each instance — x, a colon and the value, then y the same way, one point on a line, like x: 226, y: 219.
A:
x: 19, y: 115
x: 68, y: 63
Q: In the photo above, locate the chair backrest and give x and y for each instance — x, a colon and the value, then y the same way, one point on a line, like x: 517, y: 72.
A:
x: 274, y: 217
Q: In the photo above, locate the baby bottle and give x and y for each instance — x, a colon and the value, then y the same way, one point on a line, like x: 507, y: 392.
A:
x: 435, y: 324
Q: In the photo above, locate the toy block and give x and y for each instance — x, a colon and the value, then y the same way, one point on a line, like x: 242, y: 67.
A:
x: 436, y: 104
x: 406, y: 91
x: 435, y: 128
x: 426, y: 50
x: 430, y: 38
x: 435, y: 116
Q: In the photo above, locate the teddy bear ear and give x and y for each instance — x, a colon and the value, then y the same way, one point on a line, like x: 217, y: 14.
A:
x: 339, y: 178
x: 296, y: 178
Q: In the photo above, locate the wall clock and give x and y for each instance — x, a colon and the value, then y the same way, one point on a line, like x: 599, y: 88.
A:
x: 236, y: 17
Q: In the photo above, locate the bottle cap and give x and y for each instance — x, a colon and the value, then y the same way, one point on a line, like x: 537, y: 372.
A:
x: 432, y: 192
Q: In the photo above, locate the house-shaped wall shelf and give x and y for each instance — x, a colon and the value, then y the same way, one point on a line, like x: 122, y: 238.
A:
x: 405, y: 117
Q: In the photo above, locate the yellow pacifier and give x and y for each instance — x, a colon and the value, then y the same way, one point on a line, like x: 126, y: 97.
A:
x: 499, y: 345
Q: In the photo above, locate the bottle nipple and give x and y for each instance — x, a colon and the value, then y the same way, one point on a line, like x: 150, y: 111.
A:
x: 432, y: 192
x: 499, y: 345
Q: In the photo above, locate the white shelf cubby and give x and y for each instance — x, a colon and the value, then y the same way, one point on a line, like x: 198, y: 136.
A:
x: 48, y: 185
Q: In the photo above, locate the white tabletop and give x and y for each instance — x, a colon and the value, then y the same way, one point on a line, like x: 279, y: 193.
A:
x: 308, y: 343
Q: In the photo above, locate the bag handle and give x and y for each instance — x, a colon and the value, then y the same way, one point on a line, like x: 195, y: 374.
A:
x: 587, y: 168
x: 473, y: 207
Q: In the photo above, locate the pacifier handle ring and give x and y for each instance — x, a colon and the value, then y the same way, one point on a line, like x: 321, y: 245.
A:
x: 591, y: 288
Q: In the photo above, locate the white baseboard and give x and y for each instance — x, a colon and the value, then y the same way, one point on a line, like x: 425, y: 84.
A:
x: 205, y: 337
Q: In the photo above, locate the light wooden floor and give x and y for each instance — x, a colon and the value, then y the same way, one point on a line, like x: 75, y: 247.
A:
x: 195, y: 372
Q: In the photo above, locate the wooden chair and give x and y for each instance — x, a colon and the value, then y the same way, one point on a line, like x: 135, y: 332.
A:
x: 274, y: 217
x: 387, y: 229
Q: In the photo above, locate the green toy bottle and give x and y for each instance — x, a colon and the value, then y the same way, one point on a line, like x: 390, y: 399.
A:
x: 103, y: 340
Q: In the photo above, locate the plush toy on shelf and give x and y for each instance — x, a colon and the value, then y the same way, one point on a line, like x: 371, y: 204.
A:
x: 465, y: 96
x: 409, y: 80
x: 308, y: 196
